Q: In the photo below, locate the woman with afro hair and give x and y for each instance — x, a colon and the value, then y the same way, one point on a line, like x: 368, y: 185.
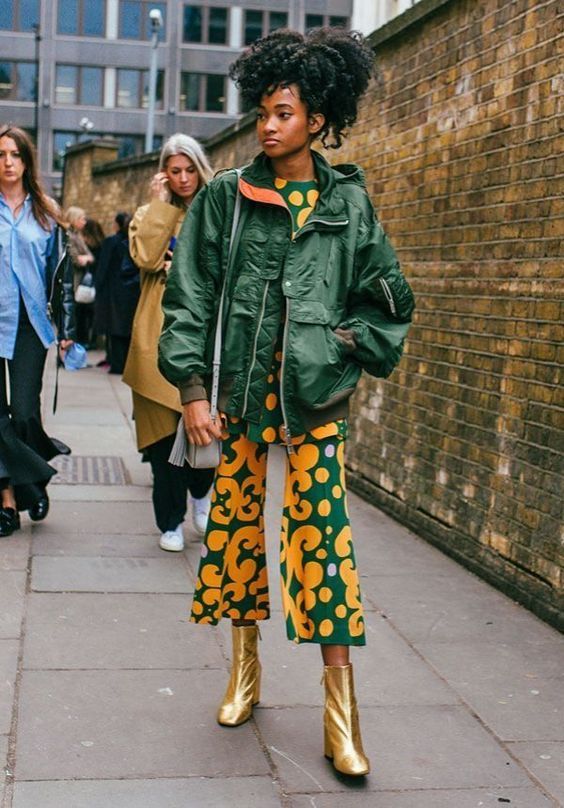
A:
x: 313, y: 295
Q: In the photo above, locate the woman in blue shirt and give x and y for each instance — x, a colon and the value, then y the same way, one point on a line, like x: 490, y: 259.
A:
x: 28, y: 248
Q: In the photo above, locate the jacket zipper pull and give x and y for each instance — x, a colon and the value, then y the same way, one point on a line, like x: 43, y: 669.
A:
x: 288, y: 440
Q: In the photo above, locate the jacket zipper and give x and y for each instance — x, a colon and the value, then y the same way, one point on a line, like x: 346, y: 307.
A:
x: 287, y: 436
x: 257, y: 332
x: 309, y: 225
x: 53, y: 281
x: 389, y: 296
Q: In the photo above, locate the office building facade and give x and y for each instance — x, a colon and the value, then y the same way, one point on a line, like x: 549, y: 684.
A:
x: 76, y: 68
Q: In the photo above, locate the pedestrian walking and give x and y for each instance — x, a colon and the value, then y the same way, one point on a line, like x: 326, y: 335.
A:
x: 313, y: 295
x: 31, y: 284
x: 183, y: 170
x: 93, y: 236
x: 83, y: 261
x: 117, y: 293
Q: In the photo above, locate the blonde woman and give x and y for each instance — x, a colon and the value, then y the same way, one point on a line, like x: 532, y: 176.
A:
x: 183, y: 170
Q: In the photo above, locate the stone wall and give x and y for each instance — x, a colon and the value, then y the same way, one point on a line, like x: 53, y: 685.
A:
x: 94, y: 180
x: 458, y: 136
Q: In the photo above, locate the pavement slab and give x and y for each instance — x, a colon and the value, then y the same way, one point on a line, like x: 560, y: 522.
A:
x: 12, y: 599
x: 90, y: 517
x: 196, y: 792
x: 129, y: 724
x: 9, y: 652
x: 100, y: 493
x: 454, y: 608
x: 3, y: 759
x: 14, y: 550
x: 120, y: 545
x: 517, y: 691
x: 546, y: 762
x: 423, y: 747
x: 112, y: 631
x: 443, y: 798
x: 63, y: 574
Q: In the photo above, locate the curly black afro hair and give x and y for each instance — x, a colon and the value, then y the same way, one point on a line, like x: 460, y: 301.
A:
x: 330, y: 66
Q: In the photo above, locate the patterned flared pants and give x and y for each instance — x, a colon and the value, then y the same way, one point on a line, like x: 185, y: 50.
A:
x: 320, y: 586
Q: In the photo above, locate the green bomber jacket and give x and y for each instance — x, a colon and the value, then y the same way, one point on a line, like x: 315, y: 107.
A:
x: 337, y: 283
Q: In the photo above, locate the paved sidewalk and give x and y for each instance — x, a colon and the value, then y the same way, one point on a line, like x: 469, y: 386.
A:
x: 108, y: 695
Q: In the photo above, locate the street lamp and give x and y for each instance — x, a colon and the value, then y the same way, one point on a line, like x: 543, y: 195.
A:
x: 156, y: 19
x: 86, y: 125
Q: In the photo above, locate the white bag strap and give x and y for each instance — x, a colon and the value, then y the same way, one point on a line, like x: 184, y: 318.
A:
x: 178, y: 453
x: 218, y: 327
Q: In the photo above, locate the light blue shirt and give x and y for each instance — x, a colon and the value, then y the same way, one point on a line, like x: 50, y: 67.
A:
x: 24, y: 249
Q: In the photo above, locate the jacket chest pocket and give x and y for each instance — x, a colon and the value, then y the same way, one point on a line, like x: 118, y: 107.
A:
x: 259, y: 254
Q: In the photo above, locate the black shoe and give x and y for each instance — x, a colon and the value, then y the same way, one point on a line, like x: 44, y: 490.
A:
x: 9, y: 521
x: 39, y: 511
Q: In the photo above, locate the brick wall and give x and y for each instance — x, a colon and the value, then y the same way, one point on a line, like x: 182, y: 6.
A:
x: 102, y: 185
x: 459, y: 140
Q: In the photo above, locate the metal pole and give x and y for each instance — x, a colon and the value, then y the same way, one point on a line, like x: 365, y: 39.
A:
x: 36, y: 107
x: 149, y: 136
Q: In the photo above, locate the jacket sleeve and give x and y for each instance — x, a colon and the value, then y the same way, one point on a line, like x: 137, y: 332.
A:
x: 149, y: 234
x: 67, y: 328
x: 192, y: 293
x: 60, y: 287
x: 380, y: 303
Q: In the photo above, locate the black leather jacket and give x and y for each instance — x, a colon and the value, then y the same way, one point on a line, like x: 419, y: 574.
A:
x: 60, y: 288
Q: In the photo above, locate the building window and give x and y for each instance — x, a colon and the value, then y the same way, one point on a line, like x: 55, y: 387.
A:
x: 82, y: 17
x: 260, y: 23
x: 61, y: 142
x: 133, y: 89
x: 19, y: 15
x: 18, y: 81
x: 202, y: 92
x: 134, y: 20
x: 81, y: 86
x: 319, y: 20
x: 208, y: 25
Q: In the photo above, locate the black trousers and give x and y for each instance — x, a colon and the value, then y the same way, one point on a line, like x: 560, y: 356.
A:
x: 119, y: 346
x: 24, y: 445
x: 172, y: 483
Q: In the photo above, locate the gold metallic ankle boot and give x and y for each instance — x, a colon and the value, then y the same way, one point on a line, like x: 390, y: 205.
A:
x: 243, y: 690
x: 343, y: 744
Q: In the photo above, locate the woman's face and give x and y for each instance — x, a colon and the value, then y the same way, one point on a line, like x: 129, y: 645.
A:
x: 12, y: 166
x: 284, y: 125
x: 80, y: 223
x: 182, y: 176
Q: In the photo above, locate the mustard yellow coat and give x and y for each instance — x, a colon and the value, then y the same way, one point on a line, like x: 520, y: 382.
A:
x: 156, y: 403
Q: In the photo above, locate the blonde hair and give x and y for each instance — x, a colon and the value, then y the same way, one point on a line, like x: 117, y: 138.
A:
x: 73, y: 214
x: 190, y: 148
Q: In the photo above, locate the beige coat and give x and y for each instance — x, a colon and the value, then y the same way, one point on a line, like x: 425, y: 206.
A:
x: 156, y: 403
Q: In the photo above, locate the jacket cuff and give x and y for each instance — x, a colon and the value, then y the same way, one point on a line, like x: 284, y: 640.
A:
x: 192, y: 390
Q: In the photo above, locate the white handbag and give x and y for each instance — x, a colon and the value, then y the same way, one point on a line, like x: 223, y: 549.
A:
x: 85, y: 291
x: 206, y: 457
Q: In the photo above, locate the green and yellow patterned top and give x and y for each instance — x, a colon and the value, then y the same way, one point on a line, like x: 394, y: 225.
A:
x: 300, y: 198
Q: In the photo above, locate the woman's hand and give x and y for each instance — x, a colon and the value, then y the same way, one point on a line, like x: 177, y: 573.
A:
x: 64, y: 345
x: 84, y: 260
x: 168, y: 261
x: 198, y: 424
x: 159, y: 187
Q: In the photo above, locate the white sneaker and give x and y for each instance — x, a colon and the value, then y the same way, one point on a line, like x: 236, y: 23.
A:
x: 172, y: 540
x: 200, y: 513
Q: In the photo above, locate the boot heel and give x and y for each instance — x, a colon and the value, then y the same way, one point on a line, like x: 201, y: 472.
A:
x: 256, y: 694
x: 327, y: 749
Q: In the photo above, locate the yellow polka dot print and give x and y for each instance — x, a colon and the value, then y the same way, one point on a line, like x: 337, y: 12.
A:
x: 271, y: 401
x: 296, y: 198
x: 280, y: 183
